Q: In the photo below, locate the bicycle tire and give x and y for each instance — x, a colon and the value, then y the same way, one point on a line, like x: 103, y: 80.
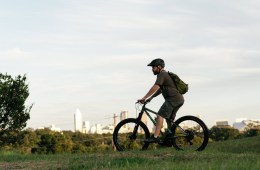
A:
x: 192, y: 136
x: 128, y: 140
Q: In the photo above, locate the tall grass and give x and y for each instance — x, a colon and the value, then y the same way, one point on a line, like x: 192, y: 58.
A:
x: 232, y: 154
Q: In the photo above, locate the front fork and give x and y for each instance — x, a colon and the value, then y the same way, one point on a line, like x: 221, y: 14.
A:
x: 133, y: 136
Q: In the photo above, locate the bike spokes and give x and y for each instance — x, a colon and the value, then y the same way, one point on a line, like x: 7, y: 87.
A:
x: 190, y: 134
x: 130, y: 135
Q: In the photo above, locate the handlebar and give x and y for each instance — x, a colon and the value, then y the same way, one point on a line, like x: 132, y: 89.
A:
x: 142, y: 102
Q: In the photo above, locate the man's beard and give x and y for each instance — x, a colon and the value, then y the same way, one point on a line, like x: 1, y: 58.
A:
x: 155, y: 72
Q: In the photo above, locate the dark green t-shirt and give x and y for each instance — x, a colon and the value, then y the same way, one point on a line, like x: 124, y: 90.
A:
x: 168, y: 88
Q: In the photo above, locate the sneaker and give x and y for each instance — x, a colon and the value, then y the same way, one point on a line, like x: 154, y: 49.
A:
x: 152, y: 140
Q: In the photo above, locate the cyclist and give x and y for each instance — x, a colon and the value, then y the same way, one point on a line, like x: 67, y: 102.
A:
x: 173, y: 99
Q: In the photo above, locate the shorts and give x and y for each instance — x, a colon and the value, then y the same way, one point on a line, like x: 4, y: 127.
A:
x: 169, y: 109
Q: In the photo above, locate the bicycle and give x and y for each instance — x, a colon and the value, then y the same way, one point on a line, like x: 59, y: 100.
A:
x: 186, y: 133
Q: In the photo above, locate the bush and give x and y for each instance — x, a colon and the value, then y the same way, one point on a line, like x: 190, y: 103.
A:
x: 220, y: 133
x: 52, y: 142
x: 45, y: 141
x: 251, y: 132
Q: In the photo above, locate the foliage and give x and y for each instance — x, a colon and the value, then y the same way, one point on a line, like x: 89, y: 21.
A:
x: 45, y: 141
x: 220, y: 133
x: 252, y: 132
x: 69, y: 142
x: 52, y: 142
x: 13, y: 94
x: 225, y: 155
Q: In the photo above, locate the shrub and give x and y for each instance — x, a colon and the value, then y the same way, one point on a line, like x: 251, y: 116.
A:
x: 220, y: 133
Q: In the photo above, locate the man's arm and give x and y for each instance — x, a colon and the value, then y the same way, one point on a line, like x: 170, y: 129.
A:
x: 158, y: 92
x: 153, y: 91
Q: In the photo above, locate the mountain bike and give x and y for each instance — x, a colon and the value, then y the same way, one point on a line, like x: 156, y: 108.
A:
x: 186, y: 133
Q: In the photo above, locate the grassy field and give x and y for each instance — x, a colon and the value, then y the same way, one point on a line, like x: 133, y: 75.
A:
x: 232, y: 154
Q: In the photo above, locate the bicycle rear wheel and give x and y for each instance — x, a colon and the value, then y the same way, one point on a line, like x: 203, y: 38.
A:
x: 190, y: 133
x: 130, y: 134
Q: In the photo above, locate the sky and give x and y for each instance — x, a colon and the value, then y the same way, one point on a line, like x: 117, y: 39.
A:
x: 93, y: 55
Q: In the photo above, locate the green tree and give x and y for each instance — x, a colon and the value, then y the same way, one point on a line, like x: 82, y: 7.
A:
x: 52, y: 142
x: 13, y: 94
x: 220, y: 133
x: 253, y: 131
x: 28, y: 139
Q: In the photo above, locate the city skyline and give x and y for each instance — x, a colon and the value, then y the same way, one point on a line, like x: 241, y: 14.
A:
x: 109, y: 120
x: 93, y: 55
x: 85, y: 126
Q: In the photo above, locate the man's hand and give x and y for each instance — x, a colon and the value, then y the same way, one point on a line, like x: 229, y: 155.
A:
x: 150, y: 93
x: 141, y: 101
x: 144, y: 100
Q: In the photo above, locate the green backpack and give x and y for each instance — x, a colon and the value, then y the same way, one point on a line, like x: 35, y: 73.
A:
x: 180, y: 85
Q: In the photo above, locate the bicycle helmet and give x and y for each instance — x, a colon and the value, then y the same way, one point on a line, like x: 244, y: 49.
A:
x: 157, y: 62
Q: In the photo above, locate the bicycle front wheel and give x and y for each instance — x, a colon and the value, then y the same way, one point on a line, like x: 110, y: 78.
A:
x: 130, y: 134
x: 190, y: 133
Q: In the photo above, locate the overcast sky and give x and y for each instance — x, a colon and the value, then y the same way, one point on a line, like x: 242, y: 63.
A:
x: 92, y: 55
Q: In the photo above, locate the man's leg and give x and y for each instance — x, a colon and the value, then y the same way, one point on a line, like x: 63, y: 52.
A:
x: 169, y: 123
x: 173, y: 114
x: 159, y: 124
x: 155, y: 137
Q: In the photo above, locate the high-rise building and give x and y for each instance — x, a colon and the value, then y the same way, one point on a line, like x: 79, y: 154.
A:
x: 123, y: 115
x: 86, y: 127
x: 99, y: 128
x: 78, y: 121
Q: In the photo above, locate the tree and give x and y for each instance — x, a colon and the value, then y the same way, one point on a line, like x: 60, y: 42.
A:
x: 52, y: 142
x: 219, y: 133
x: 253, y: 131
x: 13, y: 112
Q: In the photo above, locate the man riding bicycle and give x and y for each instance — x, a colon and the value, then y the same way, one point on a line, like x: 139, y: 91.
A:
x: 173, y: 99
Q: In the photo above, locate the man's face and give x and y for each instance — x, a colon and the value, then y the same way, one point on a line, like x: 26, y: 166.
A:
x: 156, y: 70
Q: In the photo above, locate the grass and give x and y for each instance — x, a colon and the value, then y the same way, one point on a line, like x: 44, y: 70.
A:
x: 232, y: 154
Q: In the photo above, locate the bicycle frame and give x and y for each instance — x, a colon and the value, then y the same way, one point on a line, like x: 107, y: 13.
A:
x: 148, y: 111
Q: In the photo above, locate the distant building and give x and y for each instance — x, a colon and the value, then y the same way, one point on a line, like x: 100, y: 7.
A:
x: 93, y: 130
x: 239, y: 124
x: 123, y: 115
x: 96, y: 129
x: 99, y: 129
x: 243, y: 124
x: 78, y: 121
x: 108, y: 129
x: 53, y: 128
x: 86, y: 127
x: 222, y: 123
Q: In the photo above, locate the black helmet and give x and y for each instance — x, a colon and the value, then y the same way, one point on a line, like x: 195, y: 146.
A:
x: 157, y: 62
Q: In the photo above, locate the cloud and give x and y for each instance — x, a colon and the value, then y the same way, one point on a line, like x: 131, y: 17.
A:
x: 14, y: 53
